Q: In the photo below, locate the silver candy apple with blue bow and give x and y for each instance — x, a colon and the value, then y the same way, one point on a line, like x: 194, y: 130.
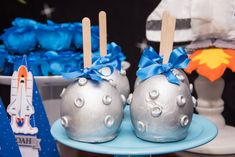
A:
x: 162, y: 105
x: 92, y: 108
x: 118, y: 78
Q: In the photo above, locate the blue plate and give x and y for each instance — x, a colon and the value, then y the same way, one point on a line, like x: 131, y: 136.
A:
x: 201, y: 131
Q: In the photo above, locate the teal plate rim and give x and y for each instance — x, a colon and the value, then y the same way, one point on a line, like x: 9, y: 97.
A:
x: 201, y: 131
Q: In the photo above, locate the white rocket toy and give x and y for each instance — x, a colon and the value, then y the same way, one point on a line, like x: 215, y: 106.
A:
x: 21, y: 108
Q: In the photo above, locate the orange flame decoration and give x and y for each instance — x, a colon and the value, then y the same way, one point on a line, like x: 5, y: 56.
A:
x: 22, y: 71
x: 211, y: 63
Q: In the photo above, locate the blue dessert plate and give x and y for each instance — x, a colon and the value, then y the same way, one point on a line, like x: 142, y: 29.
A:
x: 201, y: 131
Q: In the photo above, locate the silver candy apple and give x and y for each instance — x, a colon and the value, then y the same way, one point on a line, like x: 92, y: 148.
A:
x: 91, y: 111
x: 162, y: 111
x: 118, y: 79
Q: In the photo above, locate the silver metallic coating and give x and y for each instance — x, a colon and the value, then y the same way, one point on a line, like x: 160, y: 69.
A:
x: 119, y: 81
x: 194, y: 101
x: 107, y: 99
x: 177, y: 72
x: 79, y: 102
x: 181, y: 101
x: 90, y: 123
x: 112, y: 83
x: 156, y: 111
x: 82, y: 81
x: 153, y: 94
x: 151, y: 103
x: 62, y: 93
x: 160, y: 117
x: 129, y: 99
x: 180, y: 77
x: 105, y: 71
x: 125, y: 65
x: 191, y: 87
x: 184, y: 121
x: 64, y: 121
x: 137, y: 82
x: 123, y: 99
x: 123, y: 72
x: 109, y: 121
x: 140, y: 126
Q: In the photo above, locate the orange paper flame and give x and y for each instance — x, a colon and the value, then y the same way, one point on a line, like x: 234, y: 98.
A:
x: 211, y: 63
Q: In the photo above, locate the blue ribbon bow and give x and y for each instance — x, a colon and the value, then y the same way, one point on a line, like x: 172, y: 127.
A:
x: 93, y: 72
x: 151, y: 64
x: 114, y: 55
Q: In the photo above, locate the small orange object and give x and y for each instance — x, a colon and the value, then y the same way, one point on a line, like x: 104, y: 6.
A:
x: 212, y: 62
x: 23, y: 73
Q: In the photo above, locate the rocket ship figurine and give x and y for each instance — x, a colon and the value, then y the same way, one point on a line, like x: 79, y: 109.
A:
x: 21, y: 108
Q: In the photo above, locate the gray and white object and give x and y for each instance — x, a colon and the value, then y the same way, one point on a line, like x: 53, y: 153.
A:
x: 195, y: 20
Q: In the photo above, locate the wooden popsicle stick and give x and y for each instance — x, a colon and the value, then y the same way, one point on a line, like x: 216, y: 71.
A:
x: 86, y: 35
x: 103, y: 33
x: 167, y: 35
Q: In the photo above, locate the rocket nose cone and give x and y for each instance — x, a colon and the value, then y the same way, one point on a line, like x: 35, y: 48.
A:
x: 22, y: 75
x: 22, y: 71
